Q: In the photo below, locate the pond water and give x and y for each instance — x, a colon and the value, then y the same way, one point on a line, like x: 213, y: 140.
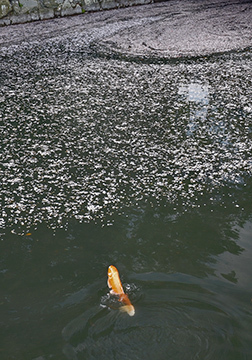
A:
x: 145, y: 166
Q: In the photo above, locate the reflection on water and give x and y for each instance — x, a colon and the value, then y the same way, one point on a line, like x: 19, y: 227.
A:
x: 230, y: 266
x: 196, y: 94
x: 144, y: 166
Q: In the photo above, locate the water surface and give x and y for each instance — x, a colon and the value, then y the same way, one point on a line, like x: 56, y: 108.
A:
x: 141, y: 165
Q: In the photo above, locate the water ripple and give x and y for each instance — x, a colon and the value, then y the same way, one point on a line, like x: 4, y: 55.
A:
x: 170, y: 314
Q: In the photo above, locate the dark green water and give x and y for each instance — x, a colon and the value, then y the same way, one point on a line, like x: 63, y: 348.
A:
x: 144, y: 166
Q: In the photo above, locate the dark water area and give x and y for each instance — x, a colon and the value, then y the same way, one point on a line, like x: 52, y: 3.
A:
x: 142, y: 165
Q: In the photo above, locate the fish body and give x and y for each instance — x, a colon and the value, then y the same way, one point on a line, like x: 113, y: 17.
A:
x: 114, y: 283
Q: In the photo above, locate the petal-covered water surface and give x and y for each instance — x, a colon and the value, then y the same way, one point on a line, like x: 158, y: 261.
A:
x: 83, y: 137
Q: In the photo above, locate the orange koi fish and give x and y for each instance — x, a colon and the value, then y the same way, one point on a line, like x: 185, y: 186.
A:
x: 114, y: 283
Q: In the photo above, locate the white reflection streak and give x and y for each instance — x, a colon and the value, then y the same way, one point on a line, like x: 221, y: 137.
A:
x: 198, y: 94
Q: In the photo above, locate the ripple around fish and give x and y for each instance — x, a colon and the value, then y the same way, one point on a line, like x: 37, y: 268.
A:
x: 166, y: 318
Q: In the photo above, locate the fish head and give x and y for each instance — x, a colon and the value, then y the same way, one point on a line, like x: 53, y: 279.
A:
x: 114, y: 281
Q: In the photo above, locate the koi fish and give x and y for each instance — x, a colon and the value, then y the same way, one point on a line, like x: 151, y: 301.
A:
x: 114, y: 283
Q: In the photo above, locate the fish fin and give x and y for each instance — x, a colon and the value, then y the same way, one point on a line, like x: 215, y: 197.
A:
x: 129, y: 309
x: 109, y: 284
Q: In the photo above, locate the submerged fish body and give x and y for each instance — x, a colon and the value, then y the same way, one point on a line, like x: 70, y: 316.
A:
x: 114, y: 283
